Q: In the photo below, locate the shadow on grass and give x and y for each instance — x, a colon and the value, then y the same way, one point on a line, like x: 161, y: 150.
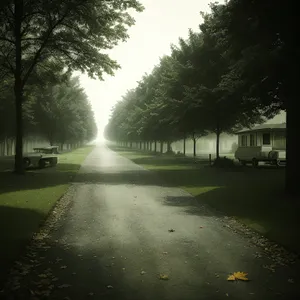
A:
x: 267, y: 211
x: 189, y: 177
x: 169, y: 160
x: 15, y: 234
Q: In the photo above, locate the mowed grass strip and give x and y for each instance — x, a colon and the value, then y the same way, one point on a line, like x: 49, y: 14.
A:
x: 25, y: 201
x: 255, y: 197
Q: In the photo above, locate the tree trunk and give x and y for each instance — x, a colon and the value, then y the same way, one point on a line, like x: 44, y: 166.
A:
x: 155, y: 146
x: 7, y: 147
x: 145, y: 146
x: 292, y: 156
x: 218, y: 143
x: 194, y: 147
x: 169, y: 148
x: 18, y: 89
x: 150, y: 146
x: 184, y: 145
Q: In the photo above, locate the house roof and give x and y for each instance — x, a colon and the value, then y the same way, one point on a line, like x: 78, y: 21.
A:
x: 261, y: 127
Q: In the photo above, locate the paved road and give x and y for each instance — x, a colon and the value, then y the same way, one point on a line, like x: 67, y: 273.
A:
x: 114, y: 242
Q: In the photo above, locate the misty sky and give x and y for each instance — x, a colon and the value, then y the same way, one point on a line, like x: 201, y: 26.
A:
x: 160, y: 24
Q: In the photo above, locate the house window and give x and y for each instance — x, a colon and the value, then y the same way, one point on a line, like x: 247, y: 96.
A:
x: 266, y: 139
x: 252, y: 143
x: 244, y: 140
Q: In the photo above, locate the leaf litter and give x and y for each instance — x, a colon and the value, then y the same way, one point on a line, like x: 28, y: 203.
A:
x: 163, y: 277
x: 20, y: 278
x: 242, y: 276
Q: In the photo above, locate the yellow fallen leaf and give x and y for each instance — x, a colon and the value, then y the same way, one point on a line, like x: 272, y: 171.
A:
x: 241, y: 276
x: 231, y: 278
x: 163, y: 277
x: 238, y: 276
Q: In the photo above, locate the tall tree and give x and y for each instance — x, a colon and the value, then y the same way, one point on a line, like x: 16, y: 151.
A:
x: 70, y: 32
x: 261, y: 38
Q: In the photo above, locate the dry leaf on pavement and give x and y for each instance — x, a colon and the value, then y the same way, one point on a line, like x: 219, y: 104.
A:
x: 171, y: 230
x: 238, y: 276
x: 231, y: 278
x: 163, y: 277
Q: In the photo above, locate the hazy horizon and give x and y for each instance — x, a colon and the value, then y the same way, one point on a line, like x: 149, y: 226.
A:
x: 156, y: 28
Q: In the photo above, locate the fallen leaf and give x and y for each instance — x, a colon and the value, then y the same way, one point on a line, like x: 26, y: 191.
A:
x: 143, y: 272
x: 163, y: 277
x: 165, y: 252
x: 43, y: 275
x: 91, y: 294
x: 63, y: 286
x: 123, y: 269
x: 238, y: 276
x: 63, y: 267
x: 227, y: 294
x: 291, y: 280
x: 217, y: 275
x: 109, y: 286
x: 241, y: 276
x: 79, y: 255
x: 171, y: 230
x: 231, y: 278
x: 200, y: 226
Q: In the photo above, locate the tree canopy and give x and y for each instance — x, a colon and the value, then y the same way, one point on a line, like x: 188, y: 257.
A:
x: 238, y: 70
x: 74, y: 34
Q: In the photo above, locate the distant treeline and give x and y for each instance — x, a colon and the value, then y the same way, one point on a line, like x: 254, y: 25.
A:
x: 54, y: 113
x: 214, y: 82
x: 240, y: 69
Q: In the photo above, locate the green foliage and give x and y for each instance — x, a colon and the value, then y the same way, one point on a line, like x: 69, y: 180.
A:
x: 191, y: 93
x: 63, y: 114
x: 74, y: 33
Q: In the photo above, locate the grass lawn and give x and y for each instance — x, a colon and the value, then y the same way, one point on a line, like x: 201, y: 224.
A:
x: 25, y: 200
x: 253, y: 196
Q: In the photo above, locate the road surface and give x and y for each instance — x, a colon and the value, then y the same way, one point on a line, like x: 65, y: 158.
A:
x: 124, y: 229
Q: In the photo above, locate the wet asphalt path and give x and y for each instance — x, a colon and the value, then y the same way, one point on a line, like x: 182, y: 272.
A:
x: 114, y: 242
